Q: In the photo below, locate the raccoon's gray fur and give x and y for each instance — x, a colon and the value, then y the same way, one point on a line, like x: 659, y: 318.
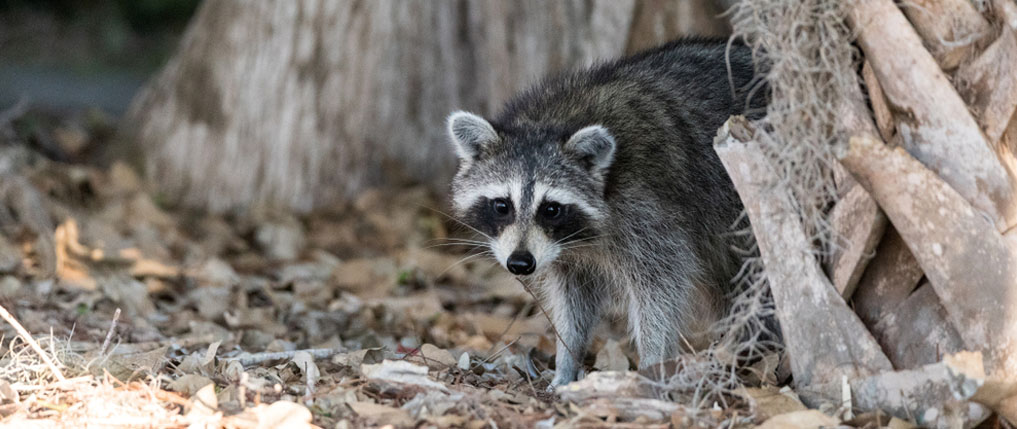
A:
x: 604, y: 184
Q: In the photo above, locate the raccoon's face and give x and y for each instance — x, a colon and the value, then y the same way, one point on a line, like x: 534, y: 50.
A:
x: 534, y: 193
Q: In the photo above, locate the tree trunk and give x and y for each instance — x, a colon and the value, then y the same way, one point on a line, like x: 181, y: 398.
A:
x: 298, y: 104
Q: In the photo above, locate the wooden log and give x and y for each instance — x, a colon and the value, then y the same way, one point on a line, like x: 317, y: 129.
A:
x: 824, y: 337
x: 971, y: 267
x: 938, y: 130
x: 953, y: 30
x: 888, y: 281
x: 989, y: 84
x: 934, y: 395
x: 859, y: 224
x: 917, y: 333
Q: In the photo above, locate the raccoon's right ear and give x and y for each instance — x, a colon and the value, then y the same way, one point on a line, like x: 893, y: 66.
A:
x: 594, y: 146
x: 470, y: 133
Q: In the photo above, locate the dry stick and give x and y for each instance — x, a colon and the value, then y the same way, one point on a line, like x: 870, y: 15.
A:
x: 109, y: 334
x: 32, y: 343
x: 251, y: 359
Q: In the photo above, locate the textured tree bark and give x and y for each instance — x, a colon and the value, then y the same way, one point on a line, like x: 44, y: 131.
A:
x: 917, y: 332
x: 953, y: 30
x: 888, y: 280
x: 938, y: 129
x: 859, y: 224
x: 302, y: 103
x: 989, y: 84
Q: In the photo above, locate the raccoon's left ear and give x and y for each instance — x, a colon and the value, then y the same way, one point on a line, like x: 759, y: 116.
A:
x: 594, y: 146
x: 470, y: 133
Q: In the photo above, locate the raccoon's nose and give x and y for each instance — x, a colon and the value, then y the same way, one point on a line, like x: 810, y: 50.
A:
x: 521, y: 263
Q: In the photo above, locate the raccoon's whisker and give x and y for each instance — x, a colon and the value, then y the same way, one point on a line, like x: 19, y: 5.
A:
x: 589, y: 240
x: 466, y: 245
x: 465, y: 260
x: 569, y: 236
x: 458, y: 221
x: 458, y: 240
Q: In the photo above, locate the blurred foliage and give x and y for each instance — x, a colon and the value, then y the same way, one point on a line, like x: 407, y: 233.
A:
x: 92, y: 36
x: 141, y: 15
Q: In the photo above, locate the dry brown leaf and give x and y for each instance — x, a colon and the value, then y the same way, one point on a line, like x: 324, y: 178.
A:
x: 770, y: 402
x: 284, y: 415
x: 382, y: 414
x: 153, y: 268
x: 189, y: 384
x: 433, y: 357
x: 203, y: 402
x: 305, y: 362
x: 401, y: 372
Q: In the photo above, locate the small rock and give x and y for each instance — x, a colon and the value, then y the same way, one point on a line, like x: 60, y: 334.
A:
x: 9, y: 287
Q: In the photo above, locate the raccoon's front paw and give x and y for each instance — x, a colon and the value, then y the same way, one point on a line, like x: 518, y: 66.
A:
x: 559, y: 380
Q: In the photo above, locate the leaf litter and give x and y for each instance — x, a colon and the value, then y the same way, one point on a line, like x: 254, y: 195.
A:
x: 373, y: 313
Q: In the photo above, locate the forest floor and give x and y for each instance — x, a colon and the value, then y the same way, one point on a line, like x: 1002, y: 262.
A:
x: 368, y: 314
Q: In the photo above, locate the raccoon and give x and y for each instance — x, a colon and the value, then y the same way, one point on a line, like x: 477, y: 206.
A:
x: 602, y: 187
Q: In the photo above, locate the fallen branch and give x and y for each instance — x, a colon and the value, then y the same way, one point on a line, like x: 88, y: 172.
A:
x: 970, y: 266
x: 934, y: 395
x: 32, y: 343
x: 248, y: 359
x: 814, y: 318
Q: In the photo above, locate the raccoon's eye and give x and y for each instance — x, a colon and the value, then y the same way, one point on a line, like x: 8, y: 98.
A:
x: 501, y: 206
x: 551, y: 210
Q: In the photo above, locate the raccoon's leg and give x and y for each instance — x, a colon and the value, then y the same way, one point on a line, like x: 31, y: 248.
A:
x: 575, y: 298
x: 656, y: 320
x: 670, y: 315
